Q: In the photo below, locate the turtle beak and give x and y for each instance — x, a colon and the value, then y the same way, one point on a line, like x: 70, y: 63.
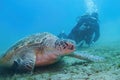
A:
x: 71, y: 47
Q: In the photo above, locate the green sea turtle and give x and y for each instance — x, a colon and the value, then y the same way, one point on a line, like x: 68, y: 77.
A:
x: 39, y: 50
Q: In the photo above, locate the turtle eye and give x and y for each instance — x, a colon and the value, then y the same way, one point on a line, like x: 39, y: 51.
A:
x: 66, y: 43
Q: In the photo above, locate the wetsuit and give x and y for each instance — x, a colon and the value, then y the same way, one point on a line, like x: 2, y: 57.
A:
x: 87, y: 29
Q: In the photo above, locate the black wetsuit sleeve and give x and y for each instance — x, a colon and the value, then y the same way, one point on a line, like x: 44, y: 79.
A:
x: 97, y: 33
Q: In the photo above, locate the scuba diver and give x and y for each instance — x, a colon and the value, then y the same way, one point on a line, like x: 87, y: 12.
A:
x: 86, y: 30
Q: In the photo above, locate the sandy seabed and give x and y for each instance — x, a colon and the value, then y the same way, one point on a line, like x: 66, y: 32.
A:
x: 74, y: 69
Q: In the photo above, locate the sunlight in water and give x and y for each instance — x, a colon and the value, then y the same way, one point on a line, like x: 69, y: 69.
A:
x: 91, y: 7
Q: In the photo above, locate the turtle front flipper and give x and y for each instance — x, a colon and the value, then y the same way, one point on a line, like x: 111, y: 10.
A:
x: 88, y: 57
x: 24, y: 61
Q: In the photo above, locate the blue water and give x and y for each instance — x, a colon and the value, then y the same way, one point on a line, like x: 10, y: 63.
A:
x: 19, y: 18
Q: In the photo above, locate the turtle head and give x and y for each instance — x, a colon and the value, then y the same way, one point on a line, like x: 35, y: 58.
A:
x: 65, y: 46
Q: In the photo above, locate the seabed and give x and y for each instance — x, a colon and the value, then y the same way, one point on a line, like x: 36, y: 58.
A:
x: 74, y: 69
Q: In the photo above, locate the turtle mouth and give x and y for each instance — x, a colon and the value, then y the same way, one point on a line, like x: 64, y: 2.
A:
x: 71, y: 47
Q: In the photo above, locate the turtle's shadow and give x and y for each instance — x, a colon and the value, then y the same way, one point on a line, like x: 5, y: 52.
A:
x: 51, y: 68
x: 56, y: 67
